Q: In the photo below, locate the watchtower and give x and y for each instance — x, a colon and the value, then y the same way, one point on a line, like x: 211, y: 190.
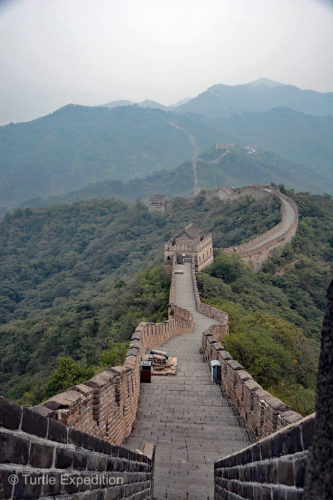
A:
x: 158, y: 203
x: 190, y: 243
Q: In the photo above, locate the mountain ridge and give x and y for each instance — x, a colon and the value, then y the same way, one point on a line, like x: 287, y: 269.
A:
x: 78, y: 145
x: 220, y: 165
x: 221, y: 101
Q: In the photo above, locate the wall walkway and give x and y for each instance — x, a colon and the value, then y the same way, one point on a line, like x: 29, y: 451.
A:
x: 186, y: 416
x: 256, y: 251
x: 106, y: 405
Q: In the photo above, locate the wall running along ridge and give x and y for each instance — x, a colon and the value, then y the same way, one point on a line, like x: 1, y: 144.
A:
x: 223, y: 326
x: 256, y: 256
x: 106, y: 405
x: 275, y: 466
x: 261, y: 412
x: 36, y: 444
x: 42, y: 458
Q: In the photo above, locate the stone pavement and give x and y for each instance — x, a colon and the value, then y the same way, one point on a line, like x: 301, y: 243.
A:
x: 186, y: 416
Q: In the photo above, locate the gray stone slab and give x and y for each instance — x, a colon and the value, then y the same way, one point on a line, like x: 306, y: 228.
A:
x: 186, y: 416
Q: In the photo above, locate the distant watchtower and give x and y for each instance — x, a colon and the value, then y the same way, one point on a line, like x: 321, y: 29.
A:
x: 192, y: 243
x: 158, y: 203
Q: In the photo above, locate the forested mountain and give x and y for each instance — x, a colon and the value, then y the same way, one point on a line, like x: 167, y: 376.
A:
x: 68, y: 290
x: 62, y: 270
x: 222, y: 101
x: 226, y: 165
x: 299, y: 137
x: 271, y: 311
x: 221, y: 165
x: 77, y: 145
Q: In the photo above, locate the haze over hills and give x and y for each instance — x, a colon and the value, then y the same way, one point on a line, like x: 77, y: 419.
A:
x: 228, y: 165
x: 77, y: 145
x: 296, y: 136
x: 221, y: 101
x: 147, y: 103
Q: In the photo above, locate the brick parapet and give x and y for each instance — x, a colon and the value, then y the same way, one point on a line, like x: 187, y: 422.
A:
x: 172, y: 282
x: 208, y: 310
x: 261, y: 412
x: 42, y: 458
x: 106, y: 405
x: 273, y: 467
x: 256, y: 256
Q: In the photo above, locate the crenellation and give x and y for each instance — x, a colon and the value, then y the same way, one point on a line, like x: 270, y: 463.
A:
x: 99, y: 415
x: 253, y: 253
x: 106, y: 405
x: 261, y: 412
x: 65, y: 454
x: 274, y: 466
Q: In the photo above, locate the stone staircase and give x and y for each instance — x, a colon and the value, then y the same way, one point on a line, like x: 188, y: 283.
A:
x: 186, y: 416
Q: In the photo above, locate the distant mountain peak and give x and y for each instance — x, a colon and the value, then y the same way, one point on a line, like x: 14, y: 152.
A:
x: 117, y: 104
x: 265, y: 81
x: 148, y: 103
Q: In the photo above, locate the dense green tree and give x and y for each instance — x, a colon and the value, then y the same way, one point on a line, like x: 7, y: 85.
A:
x: 67, y: 373
x: 70, y: 284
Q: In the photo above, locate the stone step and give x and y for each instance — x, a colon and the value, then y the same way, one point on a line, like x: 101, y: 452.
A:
x: 186, y: 415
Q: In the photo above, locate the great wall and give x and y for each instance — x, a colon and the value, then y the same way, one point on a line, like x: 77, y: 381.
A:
x: 194, y: 435
x: 257, y: 250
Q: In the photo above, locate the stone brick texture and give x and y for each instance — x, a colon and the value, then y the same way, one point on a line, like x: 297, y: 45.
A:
x: 63, y: 463
x: 272, y: 468
x: 106, y: 405
x: 211, y: 312
x: 261, y: 412
x: 201, y: 252
x: 256, y: 256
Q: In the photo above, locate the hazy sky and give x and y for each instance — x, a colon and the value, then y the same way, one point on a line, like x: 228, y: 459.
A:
x: 55, y: 52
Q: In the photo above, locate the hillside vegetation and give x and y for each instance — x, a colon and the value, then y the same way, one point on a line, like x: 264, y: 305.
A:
x: 276, y: 314
x: 298, y: 137
x: 71, y: 295
x: 67, y: 284
x: 229, y: 165
x: 77, y: 145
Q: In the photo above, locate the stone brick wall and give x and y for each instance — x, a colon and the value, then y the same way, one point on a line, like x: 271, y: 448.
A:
x: 201, y: 251
x: 256, y: 256
x: 106, y: 405
x: 172, y: 281
x: 272, y: 468
x: 42, y: 458
x: 261, y: 412
x: 210, y: 311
